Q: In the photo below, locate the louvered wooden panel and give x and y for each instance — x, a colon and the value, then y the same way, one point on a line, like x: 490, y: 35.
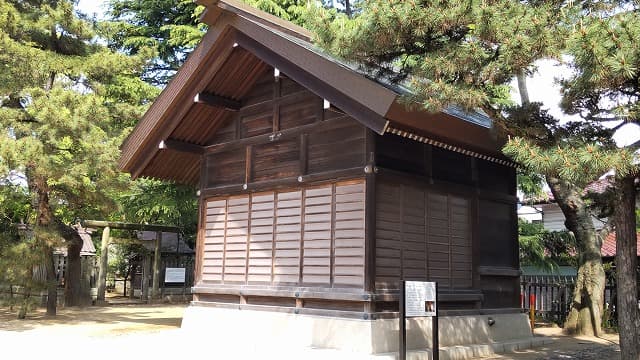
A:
x: 349, y: 233
x: 388, y: 235
x: 422, y: 235
x: 414, y: 256
x: 460, y: 243
x: 286, y: 267
x: 212, y: 260
x: 317, y: 236
x: 261, y: 237
x: 235, y: 256
x: 438, y: 240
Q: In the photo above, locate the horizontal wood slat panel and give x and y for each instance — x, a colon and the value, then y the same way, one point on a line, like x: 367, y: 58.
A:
x: 348, y: 268
x: 310, y: 236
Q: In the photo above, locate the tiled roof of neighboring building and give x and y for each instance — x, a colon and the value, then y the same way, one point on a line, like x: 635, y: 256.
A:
x: 609, y: 245
x: 598, y: 187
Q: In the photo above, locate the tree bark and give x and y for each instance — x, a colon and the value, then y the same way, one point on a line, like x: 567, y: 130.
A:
x: 52, y: 282
x: 626, y: 267
x: 585, y: 317
x: 73, y: 273
x: 44, y: 220
x: 522, y: 87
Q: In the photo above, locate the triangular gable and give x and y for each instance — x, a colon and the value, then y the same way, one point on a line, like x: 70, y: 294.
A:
x: 235, y: 52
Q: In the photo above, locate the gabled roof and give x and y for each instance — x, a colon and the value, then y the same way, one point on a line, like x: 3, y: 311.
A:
x: 243, y: 43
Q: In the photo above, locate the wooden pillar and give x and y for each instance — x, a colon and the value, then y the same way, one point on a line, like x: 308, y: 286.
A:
x: 102, y: 272
x: 156, y: 266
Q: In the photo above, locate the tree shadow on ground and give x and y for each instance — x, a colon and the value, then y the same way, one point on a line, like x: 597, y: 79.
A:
x: 126, y: 317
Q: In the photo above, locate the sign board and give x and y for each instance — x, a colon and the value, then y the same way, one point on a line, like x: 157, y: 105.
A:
x: 174, y: 275
x: 420, y: 298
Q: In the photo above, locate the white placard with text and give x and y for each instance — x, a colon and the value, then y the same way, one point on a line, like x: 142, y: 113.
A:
x: 420, y: 298
x: 174, y: 275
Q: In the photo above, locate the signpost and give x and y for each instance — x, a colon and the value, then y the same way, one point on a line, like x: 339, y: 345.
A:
x: 418, y: 299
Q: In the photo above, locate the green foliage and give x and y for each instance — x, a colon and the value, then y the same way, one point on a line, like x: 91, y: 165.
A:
x: 449, y: 53
x: 545, y: 249
x: 531, y: 184
x: 156, y: 202
x: 607, y: 62
x: 66, y: 104
x: 124, y: 256
x: 171, y: 29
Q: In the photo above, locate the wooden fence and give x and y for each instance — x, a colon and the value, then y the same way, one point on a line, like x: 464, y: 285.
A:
x: 552, y: 296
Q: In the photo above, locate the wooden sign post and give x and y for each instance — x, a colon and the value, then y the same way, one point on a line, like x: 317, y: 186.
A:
x: 418, y: 299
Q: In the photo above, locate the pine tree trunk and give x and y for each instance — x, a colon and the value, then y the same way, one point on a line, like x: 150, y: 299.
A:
x: 52, y: 282
x: 626, y: 267
x: 73, y: 273
x: 44, y: 219
x: 585, y: 317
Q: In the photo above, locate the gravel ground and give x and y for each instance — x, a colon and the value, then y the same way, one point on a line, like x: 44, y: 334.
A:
x: 153, y: 331
x: 569, y: 347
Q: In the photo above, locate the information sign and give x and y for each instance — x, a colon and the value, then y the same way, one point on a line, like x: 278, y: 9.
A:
x: 420, y: 298
x: 174, y: 275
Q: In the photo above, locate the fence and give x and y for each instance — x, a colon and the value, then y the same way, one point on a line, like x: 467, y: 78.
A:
x: 553, y: 295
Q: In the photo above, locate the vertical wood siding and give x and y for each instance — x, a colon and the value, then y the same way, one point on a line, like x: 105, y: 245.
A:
x: 312, y: 236
x: 422, y: 235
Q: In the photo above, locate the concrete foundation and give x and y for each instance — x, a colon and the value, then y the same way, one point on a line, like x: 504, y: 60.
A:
x: 461, y: 337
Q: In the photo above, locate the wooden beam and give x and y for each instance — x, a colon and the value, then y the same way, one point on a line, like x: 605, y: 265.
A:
x: 370, y: 212
x: 181, y: 146
x: 218, y: 101
x: 294, y: 181
x: 268, y: 138
x: 128, y: 226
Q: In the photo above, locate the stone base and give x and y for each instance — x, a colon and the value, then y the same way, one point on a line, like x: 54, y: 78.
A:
x: 461, y: 337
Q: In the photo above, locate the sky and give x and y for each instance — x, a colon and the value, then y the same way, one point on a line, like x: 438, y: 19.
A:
x: 542, y: 85
x: 90, y: 7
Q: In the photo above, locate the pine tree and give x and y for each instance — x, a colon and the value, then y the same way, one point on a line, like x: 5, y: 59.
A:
x: 466, y: 53
x: 172, y: 28
x: 606, y: 87
x: 67, y: 100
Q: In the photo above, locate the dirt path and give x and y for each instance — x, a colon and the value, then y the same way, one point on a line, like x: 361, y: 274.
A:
x: 96, y: 321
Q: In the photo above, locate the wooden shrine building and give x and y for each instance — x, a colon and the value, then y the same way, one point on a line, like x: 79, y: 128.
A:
x: 319, y: 191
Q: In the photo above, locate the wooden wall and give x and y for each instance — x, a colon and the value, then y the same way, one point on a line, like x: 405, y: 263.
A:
x: 283, y: 190
x: 423, y: 235
x: 282, y: 131
x: 425, y: 191
x: 309, y: 236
